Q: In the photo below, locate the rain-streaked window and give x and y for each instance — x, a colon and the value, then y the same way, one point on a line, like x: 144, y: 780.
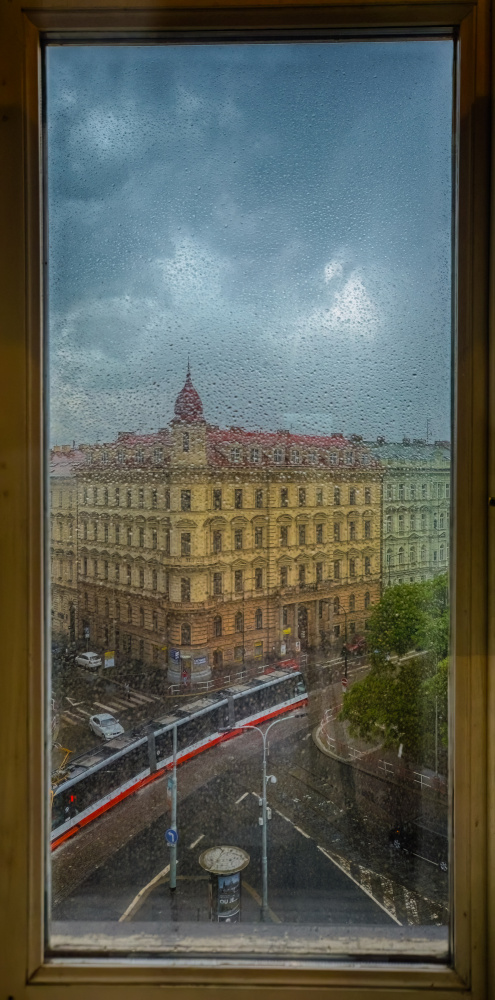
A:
x: 249, y: 299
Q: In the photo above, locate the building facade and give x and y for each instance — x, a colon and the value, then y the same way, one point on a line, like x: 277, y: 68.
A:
x: 416, y: 510
x: 199, y: 546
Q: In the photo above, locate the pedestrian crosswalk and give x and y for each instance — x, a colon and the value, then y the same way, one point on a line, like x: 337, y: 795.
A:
x: 118, y: 703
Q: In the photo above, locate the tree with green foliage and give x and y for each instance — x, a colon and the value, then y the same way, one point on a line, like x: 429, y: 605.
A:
x: 411, y: 616
x: 402, y: 696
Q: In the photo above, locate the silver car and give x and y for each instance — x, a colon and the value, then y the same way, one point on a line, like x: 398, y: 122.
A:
x: 89, y: 660
x: 105, y: 726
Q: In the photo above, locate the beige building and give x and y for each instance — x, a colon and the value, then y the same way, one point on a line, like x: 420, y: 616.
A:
x: 199, y: 546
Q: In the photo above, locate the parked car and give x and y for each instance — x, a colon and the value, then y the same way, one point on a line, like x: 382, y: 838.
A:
x: 89, y: 660
x: 357, y: 646
x: 105, y: 726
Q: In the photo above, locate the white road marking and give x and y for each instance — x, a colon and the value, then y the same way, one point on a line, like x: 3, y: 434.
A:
x: 143, y: 893
x: 120, y: 705
x: 252, y: 892
x: 241, y: 798
x: 363, y: 889
x: 283, y: 817
x: 141, y: 697
x: 196, y: 842
x: 108, y: 708
x: 71, y: 722
x: 298, y: 828
x: 81, y: 711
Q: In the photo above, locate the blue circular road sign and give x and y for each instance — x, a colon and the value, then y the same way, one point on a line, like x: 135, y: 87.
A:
x: 171, y: 836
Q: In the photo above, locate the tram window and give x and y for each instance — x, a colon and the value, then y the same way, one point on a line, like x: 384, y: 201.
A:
x: 304, y: 213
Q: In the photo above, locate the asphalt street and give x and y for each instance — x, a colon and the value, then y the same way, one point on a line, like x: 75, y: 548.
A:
x: 329, y: 861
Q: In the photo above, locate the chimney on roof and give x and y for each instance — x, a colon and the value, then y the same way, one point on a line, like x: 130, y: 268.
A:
x: 380, y: 440
x: 406, y: 440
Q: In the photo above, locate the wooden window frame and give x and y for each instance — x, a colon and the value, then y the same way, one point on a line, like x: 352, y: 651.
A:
x: 24, y: 971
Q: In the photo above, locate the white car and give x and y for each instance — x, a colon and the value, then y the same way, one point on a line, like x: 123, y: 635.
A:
x: 105, y: 726
x: 89, y: 660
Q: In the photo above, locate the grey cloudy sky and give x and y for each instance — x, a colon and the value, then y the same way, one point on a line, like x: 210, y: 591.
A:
x: 280, y: 213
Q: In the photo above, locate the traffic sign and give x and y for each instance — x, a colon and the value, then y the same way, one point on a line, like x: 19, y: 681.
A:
x: 171, y: 836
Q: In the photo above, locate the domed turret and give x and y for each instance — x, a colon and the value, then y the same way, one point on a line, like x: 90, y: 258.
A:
x: 188, y: 406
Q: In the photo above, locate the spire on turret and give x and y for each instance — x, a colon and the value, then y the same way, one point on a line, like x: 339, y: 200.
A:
x: 188, y: 406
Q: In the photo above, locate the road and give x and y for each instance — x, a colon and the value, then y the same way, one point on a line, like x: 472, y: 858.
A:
x: 329, y: 862
x: 132, y: 698
x: 79, y: 693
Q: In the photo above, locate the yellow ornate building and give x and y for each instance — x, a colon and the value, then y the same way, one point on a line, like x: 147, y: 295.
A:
x: 198, y: 546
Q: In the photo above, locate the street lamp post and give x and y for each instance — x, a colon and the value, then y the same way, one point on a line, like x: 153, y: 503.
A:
x: 264, y: 807
x: 173, y: 818
x: 345, y: 642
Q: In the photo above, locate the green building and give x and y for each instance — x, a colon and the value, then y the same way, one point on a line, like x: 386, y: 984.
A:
x: 416, y: 509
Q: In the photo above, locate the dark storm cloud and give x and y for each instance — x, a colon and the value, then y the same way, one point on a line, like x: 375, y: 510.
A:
x: 281, y: 213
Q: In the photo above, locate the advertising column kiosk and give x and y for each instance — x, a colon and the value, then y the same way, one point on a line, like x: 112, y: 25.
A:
x: 225, y: 865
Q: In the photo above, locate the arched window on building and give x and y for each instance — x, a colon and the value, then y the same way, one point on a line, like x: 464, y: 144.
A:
x: 442, y: 553
x: 258, y: 618
x: 389, y: 557
x: 217, y: 625
x: 367, y: 599
x: 401, y: 556
x: 336, y: 606
x: 185, y: 634
x: 129, y: 613
x: 401, y: 524
x: 423, y: 553
x: 412, y: 556
x: 239, y: 620
x: 352, y: 602
x: 141, y: 617
x: 155, y: 621
x: 154, y: 580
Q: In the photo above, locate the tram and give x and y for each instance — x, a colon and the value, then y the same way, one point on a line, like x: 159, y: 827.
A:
x: 97, y: 779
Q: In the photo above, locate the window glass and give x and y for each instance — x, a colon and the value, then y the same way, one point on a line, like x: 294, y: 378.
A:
x: 249, y: 331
